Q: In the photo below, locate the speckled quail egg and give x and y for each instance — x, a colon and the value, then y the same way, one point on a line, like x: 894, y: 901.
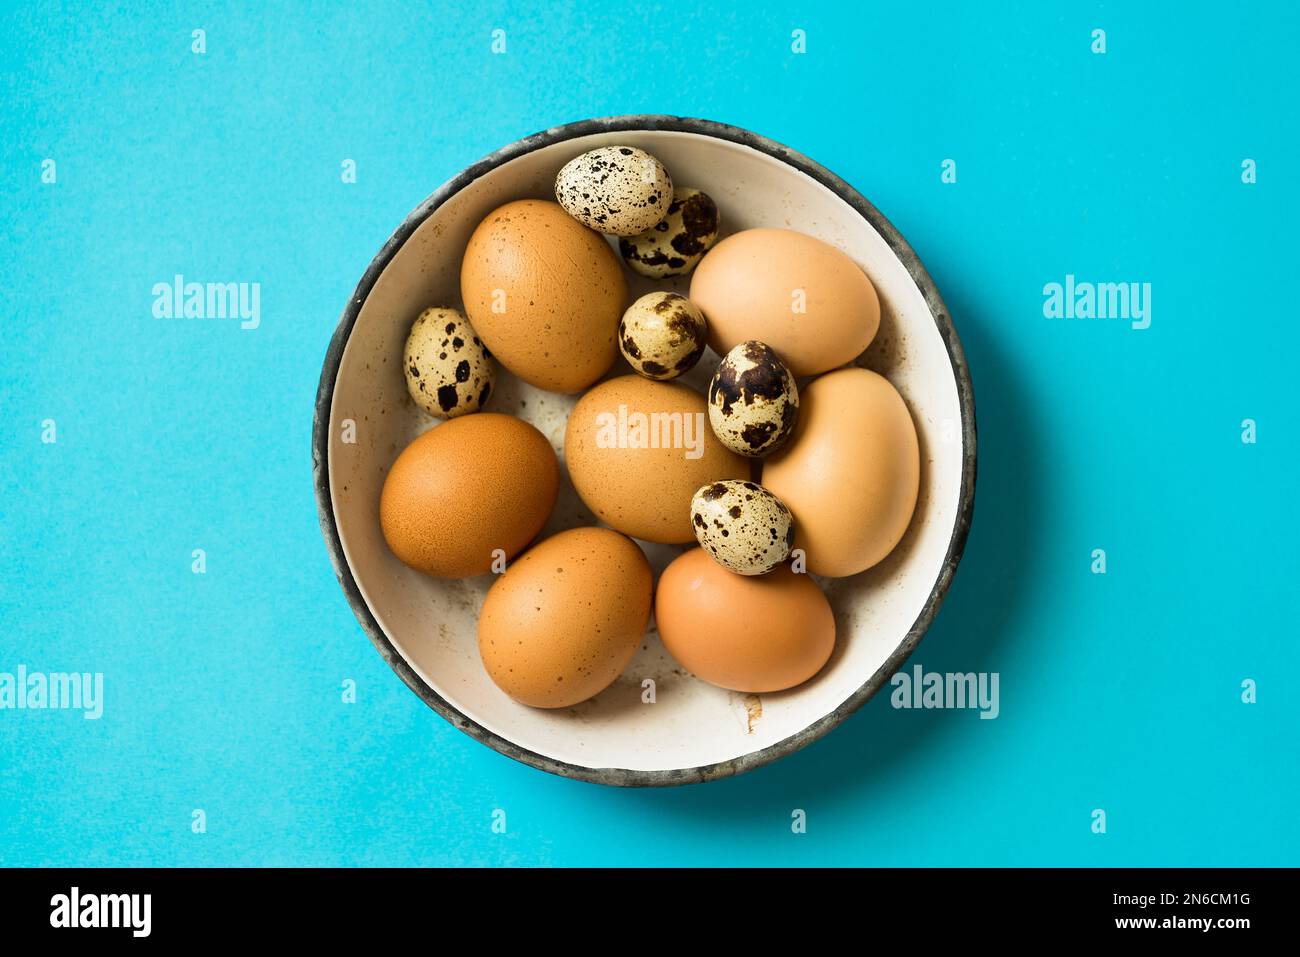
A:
x: 662, y: 335
x: 620, y: 190
x: 746, y: 528
x: 449, y: 371
x: 676, y: 243
x: 753, y: 400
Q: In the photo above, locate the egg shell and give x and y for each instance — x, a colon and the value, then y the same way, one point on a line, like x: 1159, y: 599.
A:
x: 673, y: 246
x: 753, y: 400
x: 752, y: 635
x: 545, y: 295
x: 448, y: 369
x: 804, y: 298
x: 630, y: 485
x: 464, y: 488
x: 850, y: 474
x: 564, y: 620
x: 662, y: 335
x: 620, y: 190
x: 743, y: 526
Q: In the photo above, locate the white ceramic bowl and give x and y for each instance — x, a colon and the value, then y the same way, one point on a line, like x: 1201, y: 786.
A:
x: 426, y: 629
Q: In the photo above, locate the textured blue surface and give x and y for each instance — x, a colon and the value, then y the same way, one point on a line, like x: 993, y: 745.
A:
x: 1119, y: 691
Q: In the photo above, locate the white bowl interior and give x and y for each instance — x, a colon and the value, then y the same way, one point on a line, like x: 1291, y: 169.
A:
x: 433, y: 623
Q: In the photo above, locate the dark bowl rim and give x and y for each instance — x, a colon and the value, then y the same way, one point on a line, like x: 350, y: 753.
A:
x: 325, y: 395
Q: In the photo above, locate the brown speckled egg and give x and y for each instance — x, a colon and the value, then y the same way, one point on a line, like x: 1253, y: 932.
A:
x: 466, y: 488
x: 754, y: 635
x: 753, y: 400
x: 449, y: 371
x: 545, y: 295
x: 662, y: 335
x: 565, y: 619
x: 672, y: 246
x: 743, y: 526
x: 620, y: 190
x: 637, y: 450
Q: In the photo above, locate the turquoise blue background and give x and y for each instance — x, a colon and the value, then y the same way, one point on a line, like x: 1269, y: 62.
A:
x: 1119, y: 692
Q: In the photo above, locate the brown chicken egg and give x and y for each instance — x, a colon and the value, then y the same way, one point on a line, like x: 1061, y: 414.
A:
x: 851, y: 472
x: 466, y: 488
x: 637, y: 451
x: 545, y: 294
x: 565, y: 619
x: 801, y: 296
x: 748, y: 634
